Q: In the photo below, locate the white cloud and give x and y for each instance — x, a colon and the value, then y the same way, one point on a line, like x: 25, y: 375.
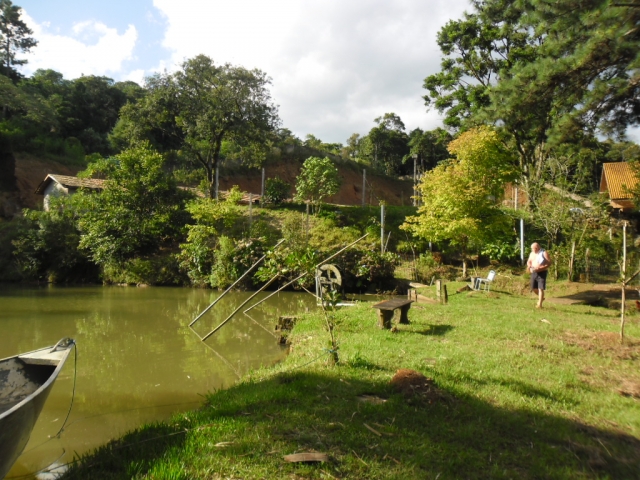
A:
x: 94, y: 49
x: 335, y: 65
x: 136, y: 76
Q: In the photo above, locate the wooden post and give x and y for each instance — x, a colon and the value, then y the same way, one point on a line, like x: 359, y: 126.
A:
x: 382, y: 229
x: 587, y: 275
x: 624, y: 279
x: 415, y: 180
x: 286, y: 323
x: 364, y: 187
x: 441, y: 292
x: 250, y: 209
x: 571, y: 260
x: 522, y: 241
x: 307, y: 226
x: 262, y: 189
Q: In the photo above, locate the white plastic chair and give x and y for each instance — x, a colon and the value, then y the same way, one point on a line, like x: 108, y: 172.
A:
x: 486, y: 282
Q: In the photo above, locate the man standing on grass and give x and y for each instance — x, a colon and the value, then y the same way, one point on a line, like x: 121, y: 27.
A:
x: 538, y: 264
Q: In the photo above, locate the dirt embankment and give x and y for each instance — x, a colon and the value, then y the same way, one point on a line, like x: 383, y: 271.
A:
x: 31, y: 170
x: 377, y: 187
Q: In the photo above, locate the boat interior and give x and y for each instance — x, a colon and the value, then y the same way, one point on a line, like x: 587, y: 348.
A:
x: 19, y: 378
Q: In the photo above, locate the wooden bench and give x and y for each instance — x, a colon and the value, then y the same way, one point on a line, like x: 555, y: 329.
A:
x: 387, y: 308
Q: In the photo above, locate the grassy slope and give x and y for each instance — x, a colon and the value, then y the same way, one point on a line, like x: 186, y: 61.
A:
x: 521, y: 399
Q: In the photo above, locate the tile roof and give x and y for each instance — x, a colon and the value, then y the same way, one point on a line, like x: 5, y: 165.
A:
x: 98, y: 184
x: 616, y: 178
x: 67, y: 181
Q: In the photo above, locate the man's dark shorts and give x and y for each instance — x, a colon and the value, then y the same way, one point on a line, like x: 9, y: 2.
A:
x: 539, y: 280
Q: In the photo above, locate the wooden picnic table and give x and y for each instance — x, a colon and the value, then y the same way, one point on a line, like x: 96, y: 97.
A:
x: 387, y: 308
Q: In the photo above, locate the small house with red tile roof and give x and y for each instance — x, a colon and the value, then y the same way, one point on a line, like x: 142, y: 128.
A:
x: 617, y: 179
x: 57, y: 185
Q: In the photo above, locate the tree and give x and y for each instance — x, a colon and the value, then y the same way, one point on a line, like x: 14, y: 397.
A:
x: 352, y: 149
x: 14, y: 38
x: 548, y: 73
x: 47, y: 248
x: 429, y: 148
x: 481, y: 51
x: 202, y: 106
x: 140, y: 209
x: 460, y: 197
x: 586, y: 67
x: 387, y: 143
x: 86, y: 109
x: 276, y: 191
x: 318, y: 180
x: 311, y: 141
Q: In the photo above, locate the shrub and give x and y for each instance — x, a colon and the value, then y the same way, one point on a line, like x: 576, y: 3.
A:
x: 232, y: 258
x: 158, y: 270
x: 429, y: 267
x: 47, y: 246
x: 276, y: 191
x: 9, y: 231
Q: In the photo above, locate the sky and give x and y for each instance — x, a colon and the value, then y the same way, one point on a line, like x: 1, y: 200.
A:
x: 335, y: 65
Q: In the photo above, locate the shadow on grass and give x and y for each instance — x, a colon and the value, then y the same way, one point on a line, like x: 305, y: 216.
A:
x: 432, y: 330
x: 525, y: 389
x: 259, y: 422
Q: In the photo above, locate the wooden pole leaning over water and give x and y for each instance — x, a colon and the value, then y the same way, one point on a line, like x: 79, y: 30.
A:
x: 305, y: 273
x: 273, y: 279
x: 234, y: 284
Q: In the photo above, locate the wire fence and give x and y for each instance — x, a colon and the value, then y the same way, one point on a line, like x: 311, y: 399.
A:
x: 597, y: 272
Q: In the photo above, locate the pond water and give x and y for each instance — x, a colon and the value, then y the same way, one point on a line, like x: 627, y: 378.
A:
x: 137, y: 359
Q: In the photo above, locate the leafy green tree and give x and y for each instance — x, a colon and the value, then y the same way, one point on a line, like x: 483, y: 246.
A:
x: 140, y: 210
x: 459, y: 198
x: 549, y: 73
x: 312, y: 141
x: 479, y: 50
x: 199, y: 108
x: 152, y: 118
x: 285, y: 137
x: 85, y: 111
x: 429, y: 148
x: 318, y: 180
x: 14, y: 37
x: 20, y: 110
x: 94, y: 106
x: 387, y: 143
x: 276, y: 191
x: 586, y: 67
x: 212, y: 219
x: 352, y: 149
x: 47, y: 247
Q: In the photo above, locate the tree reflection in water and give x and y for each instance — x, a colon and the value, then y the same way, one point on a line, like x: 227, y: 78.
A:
x: 138, y: 361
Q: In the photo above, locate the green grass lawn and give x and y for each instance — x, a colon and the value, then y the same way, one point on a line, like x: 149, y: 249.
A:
x: 518, y: 397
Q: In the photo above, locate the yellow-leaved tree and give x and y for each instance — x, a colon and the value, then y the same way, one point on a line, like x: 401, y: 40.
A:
x: 460, y: 198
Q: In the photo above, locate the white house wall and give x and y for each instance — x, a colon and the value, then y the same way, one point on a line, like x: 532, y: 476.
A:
x: 54, y: 189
